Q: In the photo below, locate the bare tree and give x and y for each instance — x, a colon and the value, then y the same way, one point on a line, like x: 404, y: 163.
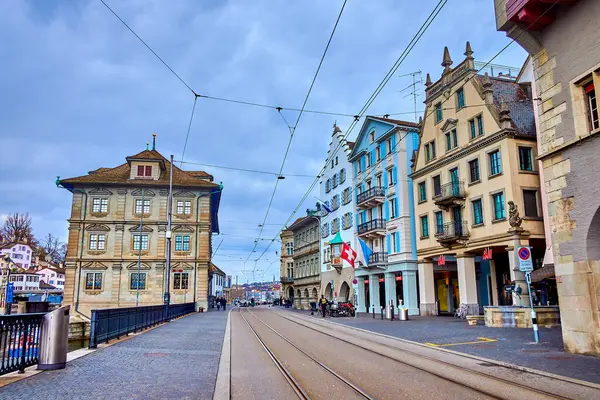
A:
x: 17, y: 228
x: 50, y: 246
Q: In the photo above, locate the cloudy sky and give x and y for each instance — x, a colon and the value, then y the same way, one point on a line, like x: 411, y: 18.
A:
x: 79, y: 91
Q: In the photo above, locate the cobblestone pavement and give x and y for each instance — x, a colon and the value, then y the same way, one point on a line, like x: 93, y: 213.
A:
x: 179, y: 360
x: 510, y: 345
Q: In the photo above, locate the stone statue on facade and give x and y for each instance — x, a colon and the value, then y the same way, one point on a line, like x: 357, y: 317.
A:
x: 514, y: 219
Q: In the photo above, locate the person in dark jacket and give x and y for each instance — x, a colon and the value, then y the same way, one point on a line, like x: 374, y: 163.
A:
x: 223, y: 303
x: 218, y: 301
x: 323, y: 304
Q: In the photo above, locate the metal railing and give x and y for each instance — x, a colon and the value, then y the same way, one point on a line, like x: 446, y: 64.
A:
x: 373, y: 224
x: 368, y: 194
x: 112, y: 323
x: 378, y: 258
x: 286, y: 279
x: 452, y: 230
x: 19, y: 341
x: 450, y: 190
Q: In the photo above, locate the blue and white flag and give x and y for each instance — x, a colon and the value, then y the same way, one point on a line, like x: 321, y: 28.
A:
x: 324, y: 205
x: 363, y: 252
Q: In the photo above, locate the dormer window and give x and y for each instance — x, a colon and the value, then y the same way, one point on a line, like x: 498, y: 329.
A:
x: 144, y: 170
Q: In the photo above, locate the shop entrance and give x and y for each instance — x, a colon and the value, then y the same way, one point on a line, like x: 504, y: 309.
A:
x: 367, y: 304
x: 446, y: 291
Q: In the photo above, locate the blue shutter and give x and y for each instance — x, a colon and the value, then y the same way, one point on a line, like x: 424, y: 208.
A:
x: 397, y: 238
x: 393, y: 143
x: 362, y: 163
x: 383, y: 154
x: 386, y: 207
x: 385, y: 179
x: 389, y: 245
x: 395, y: 177
x: 396, y: 207
x: 372, y: 156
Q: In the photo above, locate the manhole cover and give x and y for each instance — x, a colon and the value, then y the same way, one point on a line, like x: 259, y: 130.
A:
x: 558, y: 357
x: 156, y: 354
x: 534, y: 351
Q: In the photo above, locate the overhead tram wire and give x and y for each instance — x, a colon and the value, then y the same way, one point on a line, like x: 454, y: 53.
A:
x: 244, y: 169
x: 293, y: 129
x: 428, y: 21
x: 187, y: 136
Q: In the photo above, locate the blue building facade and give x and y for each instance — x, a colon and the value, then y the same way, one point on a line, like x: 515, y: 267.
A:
x: 384, y: 213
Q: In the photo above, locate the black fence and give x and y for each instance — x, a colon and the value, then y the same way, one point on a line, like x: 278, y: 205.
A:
x: 377, y: 223
x: 19, y: 341
x: 368, y: 194
x: 112, y: 323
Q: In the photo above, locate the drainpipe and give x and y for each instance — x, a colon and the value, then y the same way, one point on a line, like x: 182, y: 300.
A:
x: 59, y: 185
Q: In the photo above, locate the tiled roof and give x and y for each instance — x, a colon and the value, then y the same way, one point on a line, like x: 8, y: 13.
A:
x: 120, y: 175
x: 201, y: 174
x: 44, y: 285
x: 300, y: 221
x: 517, y: 102
x: 395, y: 121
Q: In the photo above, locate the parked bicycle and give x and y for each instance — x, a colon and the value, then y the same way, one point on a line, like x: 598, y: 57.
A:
x: 462, y: 311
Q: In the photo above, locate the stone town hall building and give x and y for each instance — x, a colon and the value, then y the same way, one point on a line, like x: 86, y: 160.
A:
x: 105, y: 237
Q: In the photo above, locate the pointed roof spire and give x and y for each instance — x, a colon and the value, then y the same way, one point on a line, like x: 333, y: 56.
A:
x: 486, y: 81
x: 336, y: 128
x: 468, y: 50
x: 447, y: 61
x: 428, y: 80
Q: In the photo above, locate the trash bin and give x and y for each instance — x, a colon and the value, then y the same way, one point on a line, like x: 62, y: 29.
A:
x: 54, y: 339
x: 403, y: 314
x: 389, y: 311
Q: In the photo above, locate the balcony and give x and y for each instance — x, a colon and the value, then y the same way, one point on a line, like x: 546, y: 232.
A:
x: 454, y: 232
x: 449, y: 195
x: 372, y: 229
x: 534, y: 15
x: 371, y: 197
x: 286, y: 279
x: 378, y: 260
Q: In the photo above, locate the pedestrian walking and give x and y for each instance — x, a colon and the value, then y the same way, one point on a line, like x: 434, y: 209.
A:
x: 224, y: 303
x: 218, y: 303
x: 323, y: 303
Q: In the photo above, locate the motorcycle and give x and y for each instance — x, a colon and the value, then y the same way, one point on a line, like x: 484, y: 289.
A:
x: 346, y: 310
x: 333, y: 310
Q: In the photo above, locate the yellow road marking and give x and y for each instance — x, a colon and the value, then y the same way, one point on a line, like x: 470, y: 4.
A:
x: 481, y: 340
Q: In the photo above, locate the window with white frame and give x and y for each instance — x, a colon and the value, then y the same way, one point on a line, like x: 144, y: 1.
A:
x: 137, y: 281
x: 97, y: 241
x: 140, y: 242
x: 184, y: 207
x: 182, y: 243
x: 100, y: 205
x: 180, y: 280
x: 142, y: 206
x: 93, y: 281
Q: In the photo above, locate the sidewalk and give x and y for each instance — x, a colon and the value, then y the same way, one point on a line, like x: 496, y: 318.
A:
x: 179, y: 360
x: 509, y: 345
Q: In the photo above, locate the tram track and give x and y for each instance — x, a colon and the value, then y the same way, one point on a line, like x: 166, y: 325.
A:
x: 523, y: 390
x: 298, y: 389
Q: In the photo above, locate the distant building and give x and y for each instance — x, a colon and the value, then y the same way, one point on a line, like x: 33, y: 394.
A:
x: 286, y: 269
x: 106, y: 239
x: 336, y: 226
x: 24, y: 280
x: 307, y: 271
x: 217, y: 281
x: 20, y: 253
x: 54, y: 276
x: 562, y: 39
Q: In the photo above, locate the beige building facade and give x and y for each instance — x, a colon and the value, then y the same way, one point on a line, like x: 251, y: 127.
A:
x: 307, y: 271
x: 476, y: 188
x: 562, y: 39
x: 113, y: 260
x: 286, y: 269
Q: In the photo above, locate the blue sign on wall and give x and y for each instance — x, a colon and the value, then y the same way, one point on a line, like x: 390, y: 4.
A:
x: 10, y: 288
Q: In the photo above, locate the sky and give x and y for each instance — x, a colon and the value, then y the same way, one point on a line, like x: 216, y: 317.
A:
x: 79, y: 91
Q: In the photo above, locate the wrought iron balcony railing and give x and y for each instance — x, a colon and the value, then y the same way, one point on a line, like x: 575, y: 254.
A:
x: 450, y: 192
x: 286, y: 279
x: 373, y: 225
x: 378, y: 258
x: 374, y: 193
x: 452, y: 232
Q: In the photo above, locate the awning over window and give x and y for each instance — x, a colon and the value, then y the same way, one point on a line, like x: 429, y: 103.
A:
x: 548, y: 257
x: 543, y: 273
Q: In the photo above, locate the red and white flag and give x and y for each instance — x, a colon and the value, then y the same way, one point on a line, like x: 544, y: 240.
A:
x: 348, y: 254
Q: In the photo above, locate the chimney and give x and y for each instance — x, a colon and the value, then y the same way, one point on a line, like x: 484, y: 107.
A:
x: 505, y: 119
x: 154, y: 141
x: 488, y: 92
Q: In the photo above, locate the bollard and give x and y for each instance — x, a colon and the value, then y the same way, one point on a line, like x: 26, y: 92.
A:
x: 391, y: 310
x: 373, y: 312
x: 382, y: 307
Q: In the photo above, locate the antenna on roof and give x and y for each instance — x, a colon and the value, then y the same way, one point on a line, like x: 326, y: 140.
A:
x: 154, y: 141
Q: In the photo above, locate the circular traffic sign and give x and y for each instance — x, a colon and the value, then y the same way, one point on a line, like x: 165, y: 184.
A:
x: 354, y: 281
x: 524, y: 253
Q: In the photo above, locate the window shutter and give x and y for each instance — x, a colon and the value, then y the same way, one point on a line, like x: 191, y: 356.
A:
x: 372, y: 156
x: 389, y: 244
x: 362, y: 163
x: 394, y: 177
x: 396, y: 207
x: 397, y: 238
x: 393, y: 143
x: 385, y: 180
x: 383, y: 153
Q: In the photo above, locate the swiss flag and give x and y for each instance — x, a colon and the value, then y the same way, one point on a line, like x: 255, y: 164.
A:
x: 348, y: 254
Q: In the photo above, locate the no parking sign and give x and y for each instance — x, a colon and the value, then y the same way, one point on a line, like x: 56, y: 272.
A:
x: 525, y: 263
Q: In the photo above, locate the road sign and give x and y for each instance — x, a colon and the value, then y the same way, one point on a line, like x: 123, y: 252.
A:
x: 355, y: 281
x: 9, y: 292
x: 525, y: 263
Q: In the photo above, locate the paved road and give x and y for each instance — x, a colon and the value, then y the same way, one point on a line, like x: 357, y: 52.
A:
x: 178, y: 360
x: 380, y: 368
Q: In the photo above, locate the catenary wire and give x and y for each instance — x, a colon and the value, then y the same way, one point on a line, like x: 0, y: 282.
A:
x: 428, y: 21
x: 187, y: 136
x: 245, y: 169
x: 293, y: 129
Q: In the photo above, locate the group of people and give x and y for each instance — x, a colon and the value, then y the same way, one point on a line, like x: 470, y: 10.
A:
x: 221, y: 302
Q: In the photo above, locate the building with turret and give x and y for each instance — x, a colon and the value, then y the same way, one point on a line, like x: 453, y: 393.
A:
x: 476, y: 189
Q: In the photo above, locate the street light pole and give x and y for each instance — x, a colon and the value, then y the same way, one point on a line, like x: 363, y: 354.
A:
x: 167, y: 297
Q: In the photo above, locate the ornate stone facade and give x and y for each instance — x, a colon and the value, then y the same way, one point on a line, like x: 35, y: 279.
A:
x: 118, y: 227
